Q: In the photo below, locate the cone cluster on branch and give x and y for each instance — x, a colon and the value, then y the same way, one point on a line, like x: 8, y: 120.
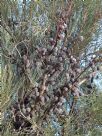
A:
x: 58, y: 78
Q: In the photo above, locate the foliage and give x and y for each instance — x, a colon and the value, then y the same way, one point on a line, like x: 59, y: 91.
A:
x: 41, y: 73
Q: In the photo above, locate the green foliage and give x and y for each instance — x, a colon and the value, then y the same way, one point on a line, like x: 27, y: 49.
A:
x: 88, y: 120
